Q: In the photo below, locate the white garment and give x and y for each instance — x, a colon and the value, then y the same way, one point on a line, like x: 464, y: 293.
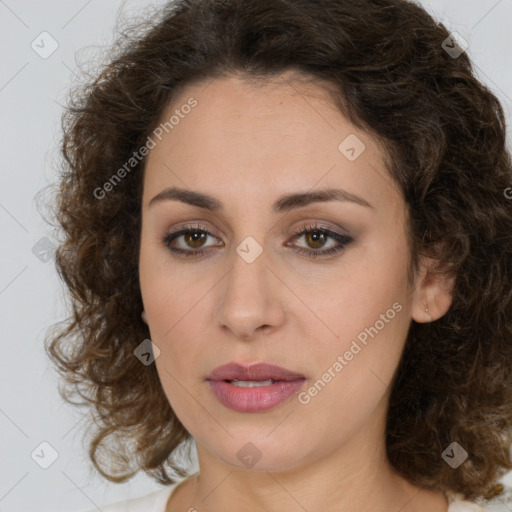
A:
x: 456, y: 504
x: 153, y: 502
x: 157, y: 502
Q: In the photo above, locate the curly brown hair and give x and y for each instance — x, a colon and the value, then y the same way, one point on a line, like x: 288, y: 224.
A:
x: 444, y: 134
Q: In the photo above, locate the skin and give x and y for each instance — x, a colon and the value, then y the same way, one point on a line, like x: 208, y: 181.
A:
x: 247, y: 146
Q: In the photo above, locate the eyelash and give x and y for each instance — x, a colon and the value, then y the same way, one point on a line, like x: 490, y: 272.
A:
x: 305, y: 229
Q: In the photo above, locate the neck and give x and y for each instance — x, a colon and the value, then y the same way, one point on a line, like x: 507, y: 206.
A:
x: 356, y: 476
x: 305, y: 491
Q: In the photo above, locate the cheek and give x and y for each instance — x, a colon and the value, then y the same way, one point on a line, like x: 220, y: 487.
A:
x: 356, y: 295
x: 366, y: 308
x: 166, y: 294
x: 175, y: 306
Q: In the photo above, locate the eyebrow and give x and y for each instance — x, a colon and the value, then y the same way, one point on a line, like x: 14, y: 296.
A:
x: 284, y: 203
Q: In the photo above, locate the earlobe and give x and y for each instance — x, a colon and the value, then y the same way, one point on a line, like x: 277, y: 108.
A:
x: 433, y: 295
x: 144, y: 318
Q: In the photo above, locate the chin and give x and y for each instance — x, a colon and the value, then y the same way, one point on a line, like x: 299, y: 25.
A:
x: 259, y: 453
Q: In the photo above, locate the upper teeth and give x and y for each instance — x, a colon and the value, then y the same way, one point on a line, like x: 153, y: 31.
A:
x: 252, y: 383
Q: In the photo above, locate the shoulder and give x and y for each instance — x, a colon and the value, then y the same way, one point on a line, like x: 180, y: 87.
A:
x: 155, y: 501
x: 457, y: 503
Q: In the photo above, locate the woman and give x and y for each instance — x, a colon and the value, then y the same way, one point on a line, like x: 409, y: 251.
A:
x: 287, y: 238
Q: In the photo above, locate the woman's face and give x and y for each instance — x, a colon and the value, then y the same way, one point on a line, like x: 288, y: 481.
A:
x: 339, y: 320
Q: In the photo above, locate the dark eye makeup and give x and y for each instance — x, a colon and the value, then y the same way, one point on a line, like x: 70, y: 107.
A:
x: 313, y: 233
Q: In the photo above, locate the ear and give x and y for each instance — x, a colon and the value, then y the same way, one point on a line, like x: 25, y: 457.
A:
x: 144, y: 318
x: 432, y: 295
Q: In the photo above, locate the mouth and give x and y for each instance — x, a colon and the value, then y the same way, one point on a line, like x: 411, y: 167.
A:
x: 256, y: 388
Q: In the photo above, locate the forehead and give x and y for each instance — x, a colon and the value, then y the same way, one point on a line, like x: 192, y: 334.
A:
x: 263, y: 139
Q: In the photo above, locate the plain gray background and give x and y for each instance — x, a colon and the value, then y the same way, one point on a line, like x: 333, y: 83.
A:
x: 31, y: 91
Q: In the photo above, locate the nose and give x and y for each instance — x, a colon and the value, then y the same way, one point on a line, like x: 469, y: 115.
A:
x: 251, y: 299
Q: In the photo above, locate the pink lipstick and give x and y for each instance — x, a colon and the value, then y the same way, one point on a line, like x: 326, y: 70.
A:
x: 254, y: 388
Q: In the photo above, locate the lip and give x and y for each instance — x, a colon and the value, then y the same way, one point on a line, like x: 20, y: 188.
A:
x: 259, y: 371
x: 256, y: 399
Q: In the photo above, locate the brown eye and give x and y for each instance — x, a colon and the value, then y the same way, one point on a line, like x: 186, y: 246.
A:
x: 192, y: 238
x: 316, y: 237
x: 195, y: 239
